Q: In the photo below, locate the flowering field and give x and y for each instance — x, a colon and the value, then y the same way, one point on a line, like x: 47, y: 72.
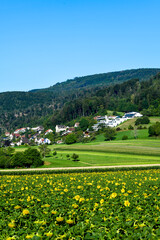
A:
x: 111, y: 205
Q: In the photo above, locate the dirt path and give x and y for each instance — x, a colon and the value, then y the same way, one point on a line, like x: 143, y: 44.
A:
x: 70, y: 168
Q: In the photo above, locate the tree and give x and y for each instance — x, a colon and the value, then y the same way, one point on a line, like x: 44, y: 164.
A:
x: 44, y: 150
x: 54, y: 153
x: 109, y: 134
x: 75, y: 157
x: 154, y: 130
x: 70, y: 138
x: 51, y: 137
x: 18, y: 160
x: 142, y: 120
x: 32, y: 157
x: 83, y: 124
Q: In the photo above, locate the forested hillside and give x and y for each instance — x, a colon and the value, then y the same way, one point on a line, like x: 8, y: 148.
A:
x: 104, y: 79
x: 132, y: 95
x: 78, y: 97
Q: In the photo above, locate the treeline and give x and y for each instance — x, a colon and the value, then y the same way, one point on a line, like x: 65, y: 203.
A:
x: 29, y: 158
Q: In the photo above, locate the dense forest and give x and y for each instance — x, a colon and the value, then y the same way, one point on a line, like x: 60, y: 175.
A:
x: 80, y: 97
x: 132, y: 95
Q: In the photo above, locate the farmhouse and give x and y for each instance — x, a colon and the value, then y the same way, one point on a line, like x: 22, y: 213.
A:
x: 60, y: 128
x: 48, y: 131
x: 132, y: 115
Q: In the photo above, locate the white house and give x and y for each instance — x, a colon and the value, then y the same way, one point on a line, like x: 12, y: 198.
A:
x: 132, y: 115
x: 48, y: 131
x: 60, y: 128
x: 20, y: 130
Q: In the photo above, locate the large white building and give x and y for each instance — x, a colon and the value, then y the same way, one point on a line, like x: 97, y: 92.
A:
x: 60, y: 128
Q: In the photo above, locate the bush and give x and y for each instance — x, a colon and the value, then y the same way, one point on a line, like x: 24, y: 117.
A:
x: 70, y: 138
x: 154, y: 130
x: 109, y: 134
x: 54, y: 153
x: 142, y: 120
x: 125, y: 137
x: 75, y: 157
x: 118, y: 129
x: 130, y: 127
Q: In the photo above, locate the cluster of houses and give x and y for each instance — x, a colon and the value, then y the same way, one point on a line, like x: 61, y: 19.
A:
x: 18, y: 137
x: 113, y: 121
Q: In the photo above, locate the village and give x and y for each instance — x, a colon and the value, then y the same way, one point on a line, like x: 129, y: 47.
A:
x: 37, y: 135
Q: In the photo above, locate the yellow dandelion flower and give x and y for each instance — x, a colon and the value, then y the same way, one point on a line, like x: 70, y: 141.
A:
x: 54, y: 212
x: 122, y: 190
x: 46, y: 205
x: 101, y: 201
x: 59, y: 219
x: 49, y: 234
x: 126, y: 203
x: 113, y: 195
x: 74, y: 205
x: 17, y: 207
x: 29, y: 236
x: 81, y: 199
x: 65, y: 190
x: 25, y: 212
x: 77, y: 197
x: 69, y: 221
x: 28, y: 199
x: 11, y: 225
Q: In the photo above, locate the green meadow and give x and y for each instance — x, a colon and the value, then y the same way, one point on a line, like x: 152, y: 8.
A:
x: 143, y: 150
x: 130, y: 152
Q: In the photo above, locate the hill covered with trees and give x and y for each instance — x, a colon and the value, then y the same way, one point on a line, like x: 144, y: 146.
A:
x: 78, y: 97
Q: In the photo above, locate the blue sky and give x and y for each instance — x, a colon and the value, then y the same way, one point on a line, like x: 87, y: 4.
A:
x: 44, y: 42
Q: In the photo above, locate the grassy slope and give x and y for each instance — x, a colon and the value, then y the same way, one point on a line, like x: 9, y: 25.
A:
x: 143, y: 150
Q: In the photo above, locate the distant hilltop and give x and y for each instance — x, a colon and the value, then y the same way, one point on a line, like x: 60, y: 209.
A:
x: 103, y: 79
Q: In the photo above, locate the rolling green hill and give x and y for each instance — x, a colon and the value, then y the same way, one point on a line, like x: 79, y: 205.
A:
x: 103, y: 79
x: 78, y: 97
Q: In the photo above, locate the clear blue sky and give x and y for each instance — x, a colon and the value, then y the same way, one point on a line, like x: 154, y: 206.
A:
x: 47, y: 41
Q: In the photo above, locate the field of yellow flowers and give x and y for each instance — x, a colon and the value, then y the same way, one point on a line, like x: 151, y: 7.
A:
x: 111, y: 205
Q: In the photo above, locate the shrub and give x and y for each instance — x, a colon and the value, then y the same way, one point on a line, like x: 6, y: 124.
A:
x: 154, y: 130
x: 54, y: 153
x: 130, y: 127
x: 140, y: 127
x: 125, y: 137
x: 75, y: 157
x: 71, y: 138
x: 118, y: 129
x: 142, y: 120
x: 109, y: 134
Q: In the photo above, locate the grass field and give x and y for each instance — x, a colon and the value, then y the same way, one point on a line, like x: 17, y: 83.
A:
x: 143, y: 150
x: 121, y: 152
x: 107, y: 153
x: 125, y: 125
